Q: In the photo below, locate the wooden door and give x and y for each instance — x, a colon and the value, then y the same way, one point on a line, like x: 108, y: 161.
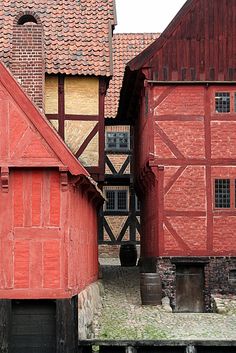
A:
x: 33, y: 328
x: 189, y: 288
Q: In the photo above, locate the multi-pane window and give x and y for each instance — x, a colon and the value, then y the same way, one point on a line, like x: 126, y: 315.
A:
x: 117, y: 200
x: 117, y: 141
x: 222, y: 193
x: 222, y: 102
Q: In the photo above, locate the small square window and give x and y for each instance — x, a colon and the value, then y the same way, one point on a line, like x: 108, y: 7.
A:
x: 222, y: 193
x: 222, y: 102
x: 117, y: 200
x: 117, y: 141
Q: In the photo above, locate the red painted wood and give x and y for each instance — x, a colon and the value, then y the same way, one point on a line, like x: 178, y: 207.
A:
x: 35, y: 128
x: 48, y: 217
x: 199, y: 39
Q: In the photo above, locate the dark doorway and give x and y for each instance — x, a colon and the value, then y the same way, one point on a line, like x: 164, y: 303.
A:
x: 33, y: 328
x: 189, y: 288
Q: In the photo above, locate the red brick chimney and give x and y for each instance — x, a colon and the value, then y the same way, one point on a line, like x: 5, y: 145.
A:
x: 27, y: 59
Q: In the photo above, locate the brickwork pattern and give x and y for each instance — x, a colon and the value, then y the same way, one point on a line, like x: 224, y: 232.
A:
x: 27, y: 64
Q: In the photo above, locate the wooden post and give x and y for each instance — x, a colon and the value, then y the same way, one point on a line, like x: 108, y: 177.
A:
x: 67, y: 325
x: 132, y: 212
x: 5, y: 321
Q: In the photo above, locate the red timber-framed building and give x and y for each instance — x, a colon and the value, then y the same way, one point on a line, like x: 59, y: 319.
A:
x: 59, y: 53
x: 180, y: 95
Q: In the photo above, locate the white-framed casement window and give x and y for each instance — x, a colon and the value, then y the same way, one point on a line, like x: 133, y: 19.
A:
x: 117, y: 200
x: 225, y: 102
x: 117, y: 141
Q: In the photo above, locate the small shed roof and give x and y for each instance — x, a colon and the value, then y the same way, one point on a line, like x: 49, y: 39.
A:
x: 77, y: 33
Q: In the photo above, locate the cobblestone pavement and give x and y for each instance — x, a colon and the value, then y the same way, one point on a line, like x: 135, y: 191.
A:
x: 123, y: 317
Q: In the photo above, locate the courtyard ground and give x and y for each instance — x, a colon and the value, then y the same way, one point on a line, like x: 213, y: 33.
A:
x: 122, y: 317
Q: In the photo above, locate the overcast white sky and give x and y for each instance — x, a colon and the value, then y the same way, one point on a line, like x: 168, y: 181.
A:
x: 135, y: 16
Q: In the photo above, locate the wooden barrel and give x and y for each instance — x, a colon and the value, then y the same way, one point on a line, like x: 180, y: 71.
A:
x: 128, y: 254
x: 150, y: 288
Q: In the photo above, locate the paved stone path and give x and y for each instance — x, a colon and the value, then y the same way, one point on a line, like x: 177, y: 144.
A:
x: 123, y: 317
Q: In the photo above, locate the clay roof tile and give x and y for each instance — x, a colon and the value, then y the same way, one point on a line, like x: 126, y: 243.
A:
x: 125, y: 47
x: 84, y: 23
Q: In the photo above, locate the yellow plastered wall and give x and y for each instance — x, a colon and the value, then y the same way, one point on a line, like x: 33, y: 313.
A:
x: 54, y: 123
x: 81, y: 95
x: 51, y: 95
x: 90, y: 157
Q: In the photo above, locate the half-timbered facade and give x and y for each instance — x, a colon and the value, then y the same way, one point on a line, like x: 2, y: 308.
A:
x: 120, y: 217
x: 61, y: 55
x: 48, y: 222
x: 180, y: 96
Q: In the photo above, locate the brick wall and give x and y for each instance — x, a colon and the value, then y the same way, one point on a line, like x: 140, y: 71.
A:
x: 195, y: 144
x: 27, y: 60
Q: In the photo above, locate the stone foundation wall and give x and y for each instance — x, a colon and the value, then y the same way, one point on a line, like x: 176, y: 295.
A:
x: 217, y: 278
x: 89, y: 301
x: 167, y: 273
x: 217, y: 274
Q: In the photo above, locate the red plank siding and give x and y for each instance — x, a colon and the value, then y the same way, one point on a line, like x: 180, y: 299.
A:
x: 54, y: 199
x: 51, y: 264
x: 18, y: 199
x: 37, y: 180
x: 21, y: 264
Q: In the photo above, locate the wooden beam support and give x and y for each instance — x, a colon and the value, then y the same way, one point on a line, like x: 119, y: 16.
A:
x: 5, y: 179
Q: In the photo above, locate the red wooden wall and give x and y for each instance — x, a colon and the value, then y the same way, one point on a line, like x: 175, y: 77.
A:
x: 194, y: 145
x: 48, y: 206
x: 83, y: 247
x: 48, y: 237
x: 199, y: 44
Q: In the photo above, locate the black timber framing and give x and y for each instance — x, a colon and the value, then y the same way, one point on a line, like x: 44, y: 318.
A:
x: 119, y: 178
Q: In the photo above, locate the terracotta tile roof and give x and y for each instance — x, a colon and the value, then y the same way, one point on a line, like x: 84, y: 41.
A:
x: 125, y: 47
x: 77, y: 33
